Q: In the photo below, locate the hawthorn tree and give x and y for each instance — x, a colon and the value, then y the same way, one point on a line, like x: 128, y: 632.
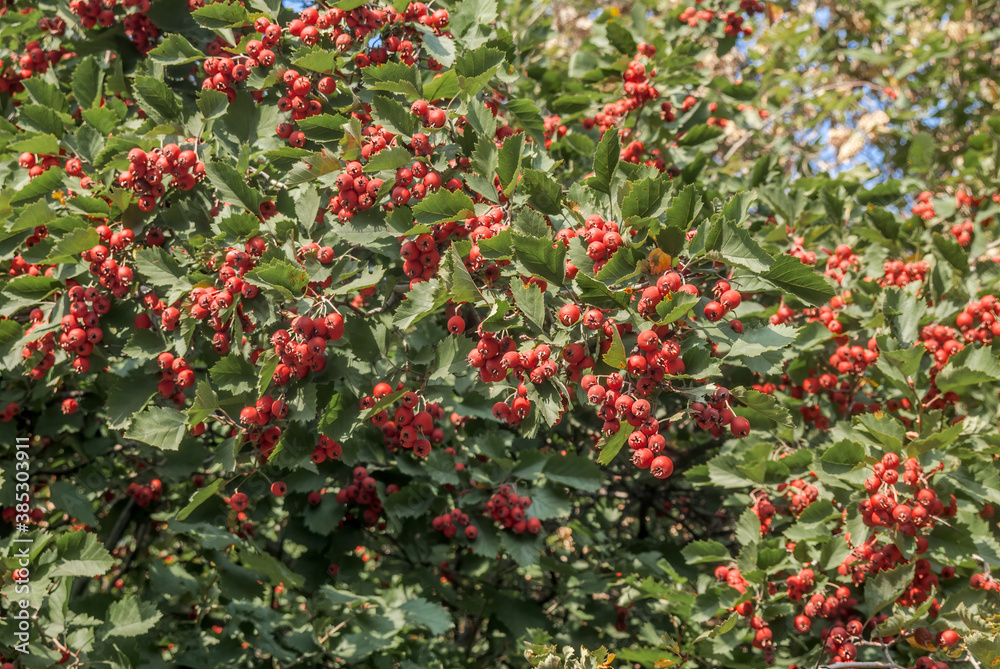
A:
x: 475, y: 333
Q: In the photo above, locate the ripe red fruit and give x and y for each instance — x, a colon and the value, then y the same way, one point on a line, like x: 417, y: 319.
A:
x: 456, y: 325
x: 278, y: 488
x: 569, y: 314
x: 714, y: 311
x: 239, y: 502
x: 661, y: 467
x: 740, y: 427
x: 948, y: 638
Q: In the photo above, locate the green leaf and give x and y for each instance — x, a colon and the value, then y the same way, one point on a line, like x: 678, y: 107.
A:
x: 475, y: 68
x: 159, y: 427
x: 610, y: 446
x: 528, y: 117
x: 615, y: 356
x: 952, y: 252
x: 530, y: 301
x: 761, y: 348
x: 389, y: 159
x: 847, y: 453
x: 323, y: 127
x: 443, y: 205
x: 645, y: 198
x: 225, y: 14
x: 884, y: 588
x: 104, y: 120
x: 700, y: 134
x: 130, y: 617
x: 36, y: 143
x: 40, y: 186
x: 160, y: 268
x: 27, y: 290
x: 973, y: 365
x: 674, y: 307
x: 790, y: 275
x: 541, y: 257
x: 936, y: 440
x: 156, y: 98
x: 421, y: 613
x: 443, y: 86
x: 764, y: 405
x: 392, y: 77
x: 544, y: 192
x: 884, y: 429
x: 482, y: 121
x: 393, y: 115
x: 699, y: 552
x: 439, y: 47
x: 621, y: 39
x: 43, y: 119
x: 233, y: 374
x: 175, y: 50
x: 80, y: 554
x: 606, y: 161
x: 575, y: 471
x: 232, y: 186
x: 735, y: 246
x: 423, y: 299
x: 318, y: 59
x: 72, y: 244
x: 509, y: 162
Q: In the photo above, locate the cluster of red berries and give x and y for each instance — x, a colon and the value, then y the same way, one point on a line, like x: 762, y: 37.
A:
x: 19, y: 266
x: 112, y: 276
x: 476, y: 229
x: 715, y: 413
x: 799, y: 494
x: 842, y: 260
x: 175, y: 375
x: 602, y: 237
x: 146, y: 172
x: 34, y: 60
x: 638, y: 89
x: 38, y: 164
x: 554, y: 129
x: 408, y: 187
x: 962, y: 232
x: 978, y: 321
x: 326, y: 449
x: 222, y: 73
x: 840, y: 605
x: 984, y: 581
x: 799, y: 250
x: 355, y: 192
x: 449, y: 523
x: 81, y: 329
x: 898, y: 273
x: 941, y: 341
x: 138, y: 27
x: 509, y: 510
x: 144, y: 495
x: 209, y: 303
x: 764, y: 509
x: 410, y: 427
x: 691, y: 16
x: 10, y: 513
x: 363, y: 494
x: 304, y: 348
x: 924, y: 207
x: 888, y: 510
